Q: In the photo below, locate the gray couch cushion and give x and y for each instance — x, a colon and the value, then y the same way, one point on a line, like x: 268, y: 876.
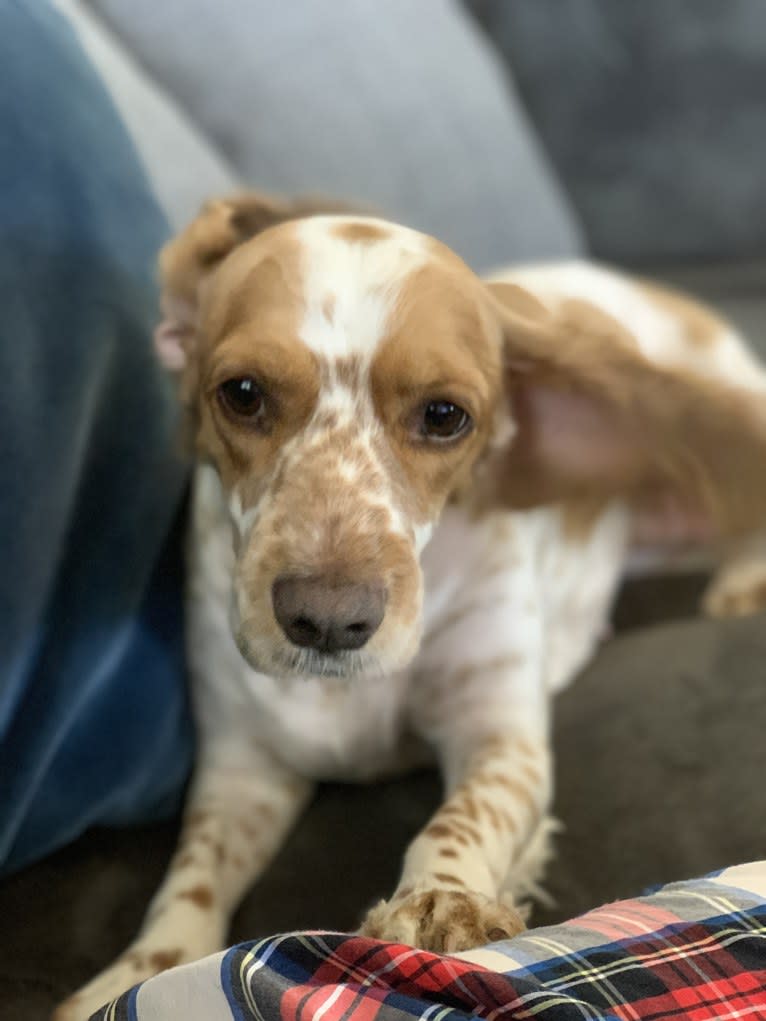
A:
x: 654, y: 114
x: 400, y: 104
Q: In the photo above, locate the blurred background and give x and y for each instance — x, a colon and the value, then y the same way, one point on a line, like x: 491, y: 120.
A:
x: 511, y: 129
x: 646, y: 121
x: 514, y: 130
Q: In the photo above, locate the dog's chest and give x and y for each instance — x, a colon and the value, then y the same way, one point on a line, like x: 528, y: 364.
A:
x: 499, y: 573
x: 360, y: 728
x: 335, y: 728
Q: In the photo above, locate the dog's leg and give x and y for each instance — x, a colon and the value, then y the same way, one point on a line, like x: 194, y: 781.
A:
x: 517, y: 626
x: 738, y: 588
x: 236, y: 818
x: 449, y: 895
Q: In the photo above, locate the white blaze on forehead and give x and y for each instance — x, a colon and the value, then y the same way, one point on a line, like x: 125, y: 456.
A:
x: 359, y: 280
x: 350, y: 290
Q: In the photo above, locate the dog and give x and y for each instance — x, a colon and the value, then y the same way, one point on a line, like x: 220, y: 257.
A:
x: 414, y: 498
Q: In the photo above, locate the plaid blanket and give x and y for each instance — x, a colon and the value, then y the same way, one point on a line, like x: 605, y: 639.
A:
x: 693, y: 950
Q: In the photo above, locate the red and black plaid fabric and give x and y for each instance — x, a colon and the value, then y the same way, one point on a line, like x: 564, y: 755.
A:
x: 694, y: 951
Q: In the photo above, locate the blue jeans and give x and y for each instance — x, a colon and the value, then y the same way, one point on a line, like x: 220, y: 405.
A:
x: 93, y: 720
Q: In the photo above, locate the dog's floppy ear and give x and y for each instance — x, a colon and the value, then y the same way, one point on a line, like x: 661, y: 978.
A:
x: 187, y: 259
x: 594, y: 416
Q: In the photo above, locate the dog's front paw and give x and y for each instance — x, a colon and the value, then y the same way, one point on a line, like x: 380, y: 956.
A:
x: 136, y: 965
x: 442, y: 921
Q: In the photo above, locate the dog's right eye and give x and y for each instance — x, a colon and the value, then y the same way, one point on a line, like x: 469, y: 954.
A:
x: 241, y: 397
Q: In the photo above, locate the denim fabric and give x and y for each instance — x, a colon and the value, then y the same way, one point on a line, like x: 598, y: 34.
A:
x: 93, y: 720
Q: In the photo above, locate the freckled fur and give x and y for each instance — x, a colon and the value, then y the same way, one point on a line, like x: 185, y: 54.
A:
x: 163, y: 959
x: 367, y: 233
x: 700, y: 325
x: 202, y: 896
x: 348, y: 322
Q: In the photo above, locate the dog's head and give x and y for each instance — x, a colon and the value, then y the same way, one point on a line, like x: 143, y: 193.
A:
x: 348, y: 376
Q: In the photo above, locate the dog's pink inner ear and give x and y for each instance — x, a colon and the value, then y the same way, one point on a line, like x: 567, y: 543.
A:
x: 174, y: 334
x: 170, y: 340
x: 574, y: 435
x: 568, y: 442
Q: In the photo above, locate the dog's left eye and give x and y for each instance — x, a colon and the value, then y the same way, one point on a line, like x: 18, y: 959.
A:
x: 443, y: 420
x: 241, y: 397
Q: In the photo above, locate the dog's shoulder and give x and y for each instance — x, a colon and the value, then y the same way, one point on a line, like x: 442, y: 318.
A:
x: 668, y: 326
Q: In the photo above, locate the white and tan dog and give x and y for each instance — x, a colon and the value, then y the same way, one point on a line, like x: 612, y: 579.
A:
x: 431, y: 482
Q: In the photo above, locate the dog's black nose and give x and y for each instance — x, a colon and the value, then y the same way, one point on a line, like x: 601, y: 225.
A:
x: 316, y: 614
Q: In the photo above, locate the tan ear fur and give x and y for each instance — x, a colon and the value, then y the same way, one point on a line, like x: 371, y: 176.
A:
x: 187, y: 259
x: 597, y: 417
